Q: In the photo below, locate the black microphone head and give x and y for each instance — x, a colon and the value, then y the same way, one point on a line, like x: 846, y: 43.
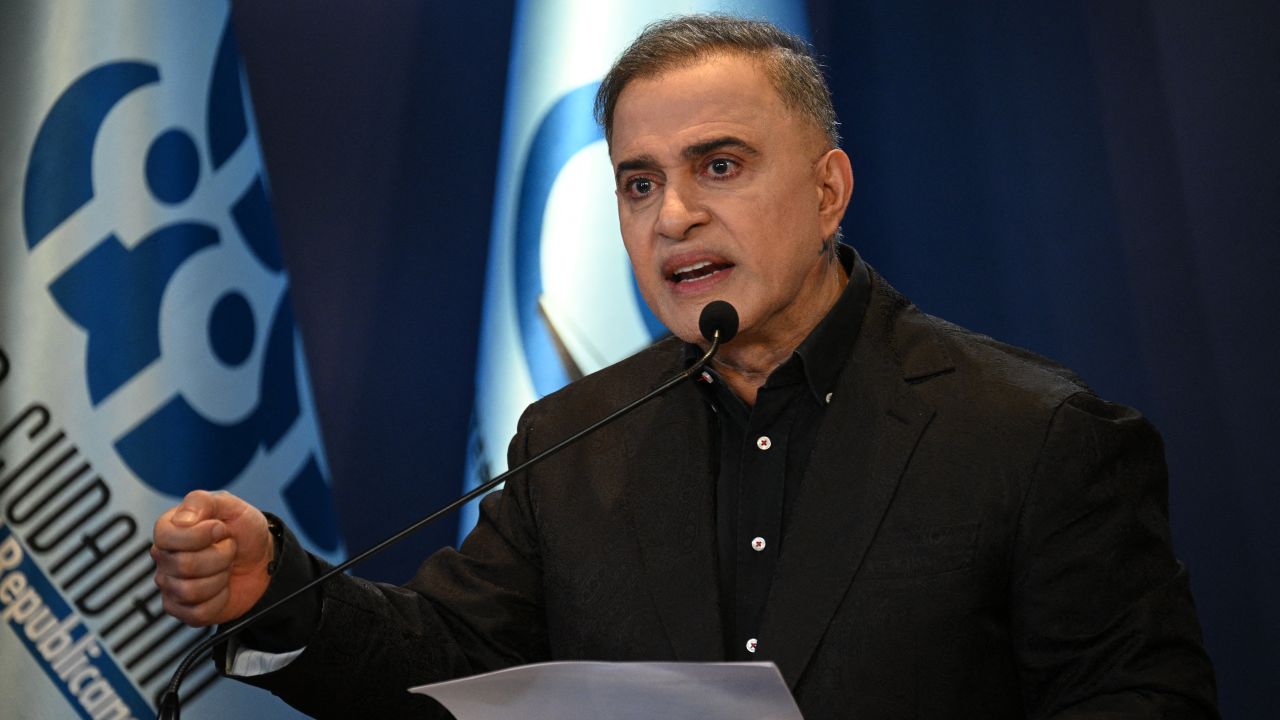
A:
x: 718, y: 315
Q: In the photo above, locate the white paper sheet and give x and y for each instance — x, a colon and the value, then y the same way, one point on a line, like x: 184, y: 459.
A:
x: 620, y: 691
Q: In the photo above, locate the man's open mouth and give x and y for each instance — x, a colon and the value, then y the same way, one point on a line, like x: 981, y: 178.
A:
x: 697, y: 271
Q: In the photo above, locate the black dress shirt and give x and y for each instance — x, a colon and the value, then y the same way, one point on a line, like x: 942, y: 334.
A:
x: 763, y: 453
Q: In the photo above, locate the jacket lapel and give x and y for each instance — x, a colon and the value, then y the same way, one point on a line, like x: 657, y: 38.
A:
x: 672, y: 511
x: 865, y: 441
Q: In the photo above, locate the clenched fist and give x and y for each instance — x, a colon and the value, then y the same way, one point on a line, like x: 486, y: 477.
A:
x: 211, y: 555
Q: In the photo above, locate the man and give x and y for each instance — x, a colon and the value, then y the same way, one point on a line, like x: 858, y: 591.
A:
x: 911, y: 520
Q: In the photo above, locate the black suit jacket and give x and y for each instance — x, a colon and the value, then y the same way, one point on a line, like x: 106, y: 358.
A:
x: 977, y: 536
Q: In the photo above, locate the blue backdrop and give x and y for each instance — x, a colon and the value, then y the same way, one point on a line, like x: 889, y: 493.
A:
x: 1096, y: 181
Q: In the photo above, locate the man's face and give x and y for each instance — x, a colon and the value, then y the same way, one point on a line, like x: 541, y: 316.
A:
x: 719, y: 198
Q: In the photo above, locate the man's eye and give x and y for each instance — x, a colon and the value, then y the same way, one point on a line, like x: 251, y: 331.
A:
x: 721, y: 167
x: 640, y: 186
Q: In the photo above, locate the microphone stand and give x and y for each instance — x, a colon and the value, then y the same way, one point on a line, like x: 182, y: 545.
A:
x: 170, y: 703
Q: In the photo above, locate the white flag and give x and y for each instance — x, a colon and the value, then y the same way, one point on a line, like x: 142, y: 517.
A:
x: 560, y: 300
x: 147, y: 346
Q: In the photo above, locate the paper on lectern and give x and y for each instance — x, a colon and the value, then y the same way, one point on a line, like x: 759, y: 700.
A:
x: 620, y: 691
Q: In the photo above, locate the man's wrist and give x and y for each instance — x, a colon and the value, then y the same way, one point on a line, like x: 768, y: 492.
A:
x: 290, y: 567
x: 275, y: 549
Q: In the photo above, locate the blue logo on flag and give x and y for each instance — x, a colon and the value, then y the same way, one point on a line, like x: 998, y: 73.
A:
x: 115, y: 293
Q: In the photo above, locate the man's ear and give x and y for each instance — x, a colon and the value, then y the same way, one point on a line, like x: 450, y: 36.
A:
x: 834, y: 175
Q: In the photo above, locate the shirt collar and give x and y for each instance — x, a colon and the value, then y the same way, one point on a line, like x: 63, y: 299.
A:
x: 823, y: 353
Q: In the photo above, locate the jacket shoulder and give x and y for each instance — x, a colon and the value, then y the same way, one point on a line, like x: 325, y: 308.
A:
x: 609, y: 388
x: 965, y: 373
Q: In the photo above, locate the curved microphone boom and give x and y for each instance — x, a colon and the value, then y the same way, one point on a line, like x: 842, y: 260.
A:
x: 718, y: 323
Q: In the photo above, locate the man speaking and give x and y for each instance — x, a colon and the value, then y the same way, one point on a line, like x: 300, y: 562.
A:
x: 910, y: 519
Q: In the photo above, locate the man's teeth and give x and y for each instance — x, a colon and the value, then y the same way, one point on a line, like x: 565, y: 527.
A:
x: 691, y: 268
x: 696, y: 271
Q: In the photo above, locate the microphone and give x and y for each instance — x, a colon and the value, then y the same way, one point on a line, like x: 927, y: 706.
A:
x: 718, y: 323
x: 718, y: 320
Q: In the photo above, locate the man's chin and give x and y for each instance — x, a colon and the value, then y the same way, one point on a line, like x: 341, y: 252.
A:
x: 681, y: 313
x: 681, y: 320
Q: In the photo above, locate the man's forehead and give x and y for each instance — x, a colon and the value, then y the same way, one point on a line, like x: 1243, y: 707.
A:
x: 717, y: 90
x: 723, y: 93
x: 727, y: 70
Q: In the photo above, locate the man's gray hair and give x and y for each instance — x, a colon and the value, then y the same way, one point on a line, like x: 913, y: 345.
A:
x: 680, y: 41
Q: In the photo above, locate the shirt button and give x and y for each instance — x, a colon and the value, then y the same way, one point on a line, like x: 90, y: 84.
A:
x: 763, y: 442
x: 751, y: 645
x: 757, y: 544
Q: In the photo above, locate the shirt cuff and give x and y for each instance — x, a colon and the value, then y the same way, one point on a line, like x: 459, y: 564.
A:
x: 244, y: 662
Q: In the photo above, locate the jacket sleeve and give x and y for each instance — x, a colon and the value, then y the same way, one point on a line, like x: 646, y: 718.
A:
x: 466, y: 611
x: 1101, y: 611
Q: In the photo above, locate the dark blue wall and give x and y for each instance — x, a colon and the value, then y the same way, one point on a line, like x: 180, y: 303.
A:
x: 1097, y: 181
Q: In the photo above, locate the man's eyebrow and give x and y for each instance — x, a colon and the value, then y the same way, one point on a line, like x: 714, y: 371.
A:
x: 693, y: 152
x: 642, y: 162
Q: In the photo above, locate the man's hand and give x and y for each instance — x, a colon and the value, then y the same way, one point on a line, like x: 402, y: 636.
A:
x: 211, y: 555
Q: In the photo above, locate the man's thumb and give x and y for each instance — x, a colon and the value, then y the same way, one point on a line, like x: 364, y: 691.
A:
x: 202, y: 505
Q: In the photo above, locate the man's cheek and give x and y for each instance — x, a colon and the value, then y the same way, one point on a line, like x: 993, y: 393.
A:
x: 639, y: 253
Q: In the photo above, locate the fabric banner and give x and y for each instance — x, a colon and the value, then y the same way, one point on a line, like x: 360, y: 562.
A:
x: 147, y: 346
x: 560, y: 300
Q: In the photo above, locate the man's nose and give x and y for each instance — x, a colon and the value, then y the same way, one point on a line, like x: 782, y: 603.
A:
x: 681, y: 211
